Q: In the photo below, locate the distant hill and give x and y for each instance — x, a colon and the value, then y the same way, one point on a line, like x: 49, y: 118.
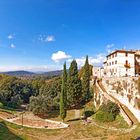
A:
x: 52, y: 73
x: 23, y: 73
x: 18, y: 73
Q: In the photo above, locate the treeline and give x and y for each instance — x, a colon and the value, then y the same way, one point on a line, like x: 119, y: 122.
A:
x: 14, y: 92
x: 36, y: 94
x: 42, y: 96
x: 47, y: 97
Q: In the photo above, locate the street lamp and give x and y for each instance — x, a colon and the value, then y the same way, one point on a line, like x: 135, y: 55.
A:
x: 22, y: 118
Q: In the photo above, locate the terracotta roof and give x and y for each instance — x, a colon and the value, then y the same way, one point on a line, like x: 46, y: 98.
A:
x: 122, y: 51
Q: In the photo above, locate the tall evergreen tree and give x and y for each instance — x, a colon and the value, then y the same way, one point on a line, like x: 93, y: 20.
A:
x: 86, y: 81
x: 63, y: 95
x: 74, y: 86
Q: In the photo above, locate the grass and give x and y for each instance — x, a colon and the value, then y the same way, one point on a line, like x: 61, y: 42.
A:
x: 8, y: 110
x: 6, y: 134
x: 119, y: 122
x: 77, y: 130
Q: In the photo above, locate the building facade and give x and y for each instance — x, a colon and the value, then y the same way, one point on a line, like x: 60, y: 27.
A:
x: 98, y: 72
x: 122, y: 63
x: 137, y: 63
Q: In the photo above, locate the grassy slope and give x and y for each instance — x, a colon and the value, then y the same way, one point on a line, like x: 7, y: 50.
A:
x: 6, y: 134
x: 77, y: 130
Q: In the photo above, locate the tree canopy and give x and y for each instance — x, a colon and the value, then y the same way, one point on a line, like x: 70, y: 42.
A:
x: 86, y: 81
x: 74, y: 88
x: 63, y: 95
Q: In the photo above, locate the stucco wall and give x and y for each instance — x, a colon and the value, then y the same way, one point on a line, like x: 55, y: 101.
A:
x: 118, y: 69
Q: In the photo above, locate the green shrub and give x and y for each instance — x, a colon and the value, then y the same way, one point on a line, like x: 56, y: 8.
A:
x: 104, y: 116
x: 110, y: 107
x: 1, y: 105
x: 99, y: 116
x: 107, y: 112
x: 110, y: 117
x: 88, y: 113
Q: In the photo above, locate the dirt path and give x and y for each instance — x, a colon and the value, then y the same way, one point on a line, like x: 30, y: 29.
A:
x: 32, y: 122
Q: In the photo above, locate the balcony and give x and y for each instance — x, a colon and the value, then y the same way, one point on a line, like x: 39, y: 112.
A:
x: 127, y: 66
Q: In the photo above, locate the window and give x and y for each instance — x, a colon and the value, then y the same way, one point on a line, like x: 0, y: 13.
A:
x: 113, y: 56
x: 116, y: 62
x: 126, y: 54
x: 126, y: 62
x: 112, y: 63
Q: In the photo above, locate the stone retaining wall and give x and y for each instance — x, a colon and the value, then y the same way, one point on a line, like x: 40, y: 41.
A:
x: 127, y: 92
x: 125, y: 116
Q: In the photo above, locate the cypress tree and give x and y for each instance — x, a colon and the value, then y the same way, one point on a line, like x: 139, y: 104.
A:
x: 63, y: 95
x: 86, y: 81
x: 74, y: 86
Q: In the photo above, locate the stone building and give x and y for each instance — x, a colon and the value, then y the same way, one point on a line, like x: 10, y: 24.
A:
x: 137, y: 63
x: 121, y: 63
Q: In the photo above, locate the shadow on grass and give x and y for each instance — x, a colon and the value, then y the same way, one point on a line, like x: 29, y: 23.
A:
x: 53, y: 114
x: 6, y: 134
x: 49, y: 115
x: 89, y: 113
x: 76, y: 119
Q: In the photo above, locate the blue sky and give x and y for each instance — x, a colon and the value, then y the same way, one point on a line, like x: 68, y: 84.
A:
x: 39, y: 35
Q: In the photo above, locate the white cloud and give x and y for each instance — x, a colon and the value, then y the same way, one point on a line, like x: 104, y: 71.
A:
x: 12, y: 46
x: 95, y: 61
x: 50, y: 38
x: 45, y: 38
x: 10, y: 36
x: 98, y: 60
x: 110, y: 47
x: 60, y: 55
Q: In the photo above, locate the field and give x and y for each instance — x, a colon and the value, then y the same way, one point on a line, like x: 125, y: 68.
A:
x: 77, y: 130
